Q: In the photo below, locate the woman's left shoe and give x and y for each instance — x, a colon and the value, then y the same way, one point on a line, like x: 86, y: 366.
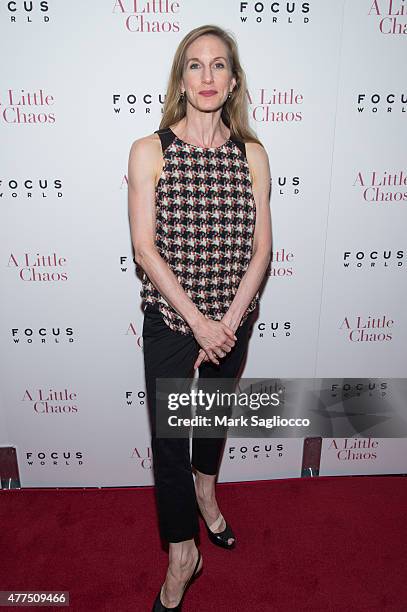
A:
x: 222, y: 538
x: 159, y: 606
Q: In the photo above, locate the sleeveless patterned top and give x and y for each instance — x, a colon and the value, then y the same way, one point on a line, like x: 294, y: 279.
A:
x: 205, y: 219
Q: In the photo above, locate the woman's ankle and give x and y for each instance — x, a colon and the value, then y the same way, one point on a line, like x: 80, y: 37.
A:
x: 205, y: 486
x: 181, y: 553
x: 206, y: 499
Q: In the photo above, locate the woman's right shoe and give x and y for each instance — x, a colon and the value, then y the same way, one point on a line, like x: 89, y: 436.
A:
x: 159, y: 606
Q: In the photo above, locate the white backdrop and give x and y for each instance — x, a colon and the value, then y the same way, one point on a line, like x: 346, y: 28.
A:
x: 80, y: 81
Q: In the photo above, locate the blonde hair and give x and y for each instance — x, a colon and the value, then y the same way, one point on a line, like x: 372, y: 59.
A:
x: 234, y: 111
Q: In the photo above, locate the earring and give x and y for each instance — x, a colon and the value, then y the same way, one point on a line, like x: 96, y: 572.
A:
x: 181, y: 97
x: 229, y: 95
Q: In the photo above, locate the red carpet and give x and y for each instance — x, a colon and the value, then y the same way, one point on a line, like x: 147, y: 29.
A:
x: 322, y: 544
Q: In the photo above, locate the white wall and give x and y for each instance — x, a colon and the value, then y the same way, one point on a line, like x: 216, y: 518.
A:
x: 71, y: 143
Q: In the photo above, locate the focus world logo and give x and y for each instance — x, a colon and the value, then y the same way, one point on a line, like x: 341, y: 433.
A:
x: 29, y: 188
x: 374, y: 259
x: 381, y: 103
x: 143, y: 103
x: 274, y: 12
x: 56, y: 458
x: 33, y: 11
x: 135, y: 397
x: 259, y: 452
x: 273, y: 329
x: 42, y: 335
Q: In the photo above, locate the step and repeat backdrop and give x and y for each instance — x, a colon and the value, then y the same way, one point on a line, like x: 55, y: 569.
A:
x: 80, y: 81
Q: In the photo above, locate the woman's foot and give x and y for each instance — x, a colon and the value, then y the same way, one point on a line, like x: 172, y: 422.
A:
x: 182, y: 560
x: 205, y: 495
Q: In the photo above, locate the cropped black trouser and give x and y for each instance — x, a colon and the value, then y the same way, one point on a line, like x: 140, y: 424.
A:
x: 170, y: 354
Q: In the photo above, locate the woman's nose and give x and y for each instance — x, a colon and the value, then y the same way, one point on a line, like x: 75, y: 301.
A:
x: 207, y: 75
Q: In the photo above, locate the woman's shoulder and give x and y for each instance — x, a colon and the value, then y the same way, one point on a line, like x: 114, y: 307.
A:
x: 145, y: 155
x: 146, y: 148
x: 253, y: 145
x: 156, y: 143
x: 257, y: 159
x: 255, y: 151
x: 150, y: 141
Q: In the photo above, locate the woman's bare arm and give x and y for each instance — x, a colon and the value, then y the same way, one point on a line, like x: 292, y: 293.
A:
x: 142, y: 178
x: 144, y: 157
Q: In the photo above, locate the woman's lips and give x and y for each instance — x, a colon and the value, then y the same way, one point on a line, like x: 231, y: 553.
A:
x: 208, y: 93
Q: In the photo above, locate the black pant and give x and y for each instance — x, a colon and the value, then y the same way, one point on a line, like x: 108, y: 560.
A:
x: 170, y: 354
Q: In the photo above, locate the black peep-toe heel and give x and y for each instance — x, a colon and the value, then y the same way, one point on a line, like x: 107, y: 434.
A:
x: 221, y: 538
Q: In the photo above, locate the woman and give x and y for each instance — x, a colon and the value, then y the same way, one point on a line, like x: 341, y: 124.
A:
x: 199, y: 213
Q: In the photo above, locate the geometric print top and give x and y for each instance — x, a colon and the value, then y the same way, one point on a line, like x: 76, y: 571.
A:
x: 205, y: 220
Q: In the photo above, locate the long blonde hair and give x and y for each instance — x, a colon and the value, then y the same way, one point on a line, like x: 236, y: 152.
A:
x: 234, y: 111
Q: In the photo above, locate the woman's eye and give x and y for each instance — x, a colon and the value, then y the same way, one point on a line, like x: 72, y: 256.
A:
x: 218, y: 65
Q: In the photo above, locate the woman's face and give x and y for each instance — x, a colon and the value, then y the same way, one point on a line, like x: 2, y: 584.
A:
x: 207, y: 78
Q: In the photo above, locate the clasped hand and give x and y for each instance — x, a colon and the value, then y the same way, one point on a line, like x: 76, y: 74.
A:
x: 216, y: 339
